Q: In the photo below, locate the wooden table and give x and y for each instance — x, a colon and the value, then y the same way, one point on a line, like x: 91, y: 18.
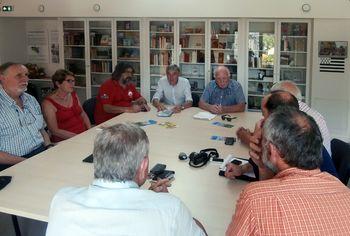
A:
x: 210, y: 198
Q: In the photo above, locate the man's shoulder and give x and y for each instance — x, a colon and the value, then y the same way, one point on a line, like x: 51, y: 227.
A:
x: 234, y: 84
x: 310, y: 111
x: 108, y: 83
x: 183, y: 79
x: 68, y: 192
x: 30, y: 99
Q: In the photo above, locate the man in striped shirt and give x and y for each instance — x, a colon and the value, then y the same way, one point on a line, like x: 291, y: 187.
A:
x: 299, y: 199
x: 22, y: 133
x: 291, y: 87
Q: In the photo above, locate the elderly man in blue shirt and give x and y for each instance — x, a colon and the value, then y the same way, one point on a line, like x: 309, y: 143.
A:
x: 222, y: 95
x: 22, y: 132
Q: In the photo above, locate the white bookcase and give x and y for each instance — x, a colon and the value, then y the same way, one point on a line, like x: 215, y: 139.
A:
x: 257, y: 52
x: 277, y: 50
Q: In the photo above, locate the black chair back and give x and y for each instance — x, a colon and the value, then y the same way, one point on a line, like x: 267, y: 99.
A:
x: 195, y: 98
x: 89, y: 108
x: 341, y: 159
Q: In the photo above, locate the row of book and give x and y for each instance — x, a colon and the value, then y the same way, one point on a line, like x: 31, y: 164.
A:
x: 162, y: 58
x: 162, y: 42
x: 97, y: 39
x: 101, y: 66
x: 74, y: 38
x: 74, y: 52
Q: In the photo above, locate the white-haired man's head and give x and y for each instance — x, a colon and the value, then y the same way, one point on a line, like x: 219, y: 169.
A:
x: 288, y: 86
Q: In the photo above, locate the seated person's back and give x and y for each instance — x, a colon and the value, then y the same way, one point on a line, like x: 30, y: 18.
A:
x: 299, y: 199
x: 114, y: 204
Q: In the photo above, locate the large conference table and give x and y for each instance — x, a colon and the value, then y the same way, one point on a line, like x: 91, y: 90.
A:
x: 210, y: 198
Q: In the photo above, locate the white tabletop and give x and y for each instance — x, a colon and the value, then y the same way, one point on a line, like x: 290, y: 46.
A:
x: 210, y: 198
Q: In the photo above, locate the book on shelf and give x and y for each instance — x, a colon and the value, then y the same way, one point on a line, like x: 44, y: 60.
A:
x: 196, y: 41
x: 105, y: 40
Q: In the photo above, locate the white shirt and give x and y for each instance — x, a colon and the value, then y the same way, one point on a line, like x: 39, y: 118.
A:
x: 321, y: 124
x: 173, y: 95
x: 118, y: 208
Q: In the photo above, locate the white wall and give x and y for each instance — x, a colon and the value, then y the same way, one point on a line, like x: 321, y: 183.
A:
x: 331, y: 91
x: 47, y: 25
x: 13, y: 45
x: 180, y: 8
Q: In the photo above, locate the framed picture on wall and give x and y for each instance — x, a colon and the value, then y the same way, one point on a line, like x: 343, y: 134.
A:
x: 338, y: 49
x: 297, y: 76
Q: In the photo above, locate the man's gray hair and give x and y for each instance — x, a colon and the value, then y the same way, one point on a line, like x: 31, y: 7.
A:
x: 219, y: 68
x: 118, y: 152
x: 296, y: 136
x: 288, y: 86
x: 173, y: 67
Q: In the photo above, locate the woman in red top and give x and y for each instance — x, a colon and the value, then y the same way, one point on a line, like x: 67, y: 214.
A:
x: 62, y: 110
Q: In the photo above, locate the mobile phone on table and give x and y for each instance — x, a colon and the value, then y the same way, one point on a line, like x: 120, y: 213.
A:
x: 167, y: 174
x: 230, y: 140
x: 157, y: 170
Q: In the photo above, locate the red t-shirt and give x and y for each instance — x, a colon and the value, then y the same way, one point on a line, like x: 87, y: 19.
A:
x: 68, y: 118
x: 113, y: 94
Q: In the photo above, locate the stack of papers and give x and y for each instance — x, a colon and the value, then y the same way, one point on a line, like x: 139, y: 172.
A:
x: 204, y: 115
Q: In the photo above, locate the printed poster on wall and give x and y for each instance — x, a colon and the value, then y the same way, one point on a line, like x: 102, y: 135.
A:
x: 37, y: 49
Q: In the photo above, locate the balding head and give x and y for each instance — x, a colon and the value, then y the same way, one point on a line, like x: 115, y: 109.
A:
x: 288, y: 86
x: 277, y: 99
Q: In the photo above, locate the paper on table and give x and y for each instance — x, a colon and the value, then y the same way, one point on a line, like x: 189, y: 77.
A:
x: 230, y: 158
x: 204, y: 115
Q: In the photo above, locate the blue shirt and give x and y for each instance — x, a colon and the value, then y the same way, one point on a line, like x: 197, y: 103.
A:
x: 327, y: 163
x: 118, y: 208
x: 20, y: 128
x: 231, y: 95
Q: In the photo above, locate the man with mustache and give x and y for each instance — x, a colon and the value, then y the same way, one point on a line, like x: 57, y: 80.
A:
x: 22, y: 132
x: 118, y: 95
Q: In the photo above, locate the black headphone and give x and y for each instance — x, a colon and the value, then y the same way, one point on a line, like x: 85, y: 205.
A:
x: 201, y: 159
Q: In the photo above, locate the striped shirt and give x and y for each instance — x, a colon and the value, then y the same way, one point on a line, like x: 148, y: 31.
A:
x: 294, y: 202
x: 321, y: 122
x: 20, y: 128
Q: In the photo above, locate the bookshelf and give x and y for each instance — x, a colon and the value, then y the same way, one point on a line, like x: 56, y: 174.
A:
x: 74, y: 54
x: 258, y: 52
x: 294, y: 53
x: 261, y: 61
x: 161, y: 50
x: 128, y: 46
x: 100, y: 41
x: 224, y: 46
x: 192, y: 53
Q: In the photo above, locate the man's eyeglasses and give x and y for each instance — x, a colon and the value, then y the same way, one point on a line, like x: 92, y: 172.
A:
x: 71, y: 81
x: 228, y: 117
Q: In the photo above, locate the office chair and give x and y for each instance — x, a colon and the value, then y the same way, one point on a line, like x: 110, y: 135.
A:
x: 89, y: 108
x: 341, y: 159
x: 195, y: 98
